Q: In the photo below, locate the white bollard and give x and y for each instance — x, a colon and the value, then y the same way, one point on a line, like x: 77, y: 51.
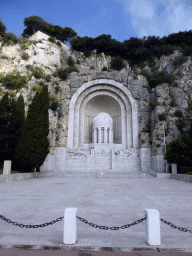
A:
x: 174, y: 168
x: 70, y: 226
x: 152, y: 227
x: 7, y: 167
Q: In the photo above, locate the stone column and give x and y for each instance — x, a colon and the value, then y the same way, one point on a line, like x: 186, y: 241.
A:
x: 95, y: 135
x: 111, y: 135
x: 99, y: 130
x: 105, y: 134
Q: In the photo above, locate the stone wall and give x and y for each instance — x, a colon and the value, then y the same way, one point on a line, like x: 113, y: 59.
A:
x: 89, y: 160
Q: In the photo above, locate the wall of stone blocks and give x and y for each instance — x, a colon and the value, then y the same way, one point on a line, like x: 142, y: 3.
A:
x: 126, y: 164
x: 158, y: 163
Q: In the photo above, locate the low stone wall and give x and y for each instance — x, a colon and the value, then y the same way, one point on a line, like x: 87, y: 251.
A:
x: 17, y: 177
x: 182, y: 177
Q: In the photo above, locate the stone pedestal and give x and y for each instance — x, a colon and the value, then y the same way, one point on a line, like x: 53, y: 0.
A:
x: 174, y: 168
x: 7, y: 167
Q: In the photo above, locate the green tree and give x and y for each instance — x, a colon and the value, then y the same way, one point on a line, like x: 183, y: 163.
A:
x: 179, y: 151
x: 14, y: 119
x: 44, y: 101
x: 2, y: 28
x: 33, y: 24
x: 5, y: 112
x: 68, y: 34
x: 33, y: 144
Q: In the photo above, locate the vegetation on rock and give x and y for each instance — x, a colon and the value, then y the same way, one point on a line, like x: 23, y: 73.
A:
x: 70, y: 61
x: 9, y: 38
x: 63, y: 73
x: 135, y: 50
x: 117, y: 63
x: 25, y: 56
x: 13, y: 81
x: 35, y: 23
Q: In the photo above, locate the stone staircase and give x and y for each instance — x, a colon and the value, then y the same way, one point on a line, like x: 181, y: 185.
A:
x: 94, y: 174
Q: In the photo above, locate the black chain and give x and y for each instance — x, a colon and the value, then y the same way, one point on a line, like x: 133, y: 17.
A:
x: 92, y: 224
x: 175, y: 227
x: 111, y: 228
x: 30, y: 226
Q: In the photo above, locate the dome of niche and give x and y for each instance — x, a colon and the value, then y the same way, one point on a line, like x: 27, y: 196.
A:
x: 102, y: 119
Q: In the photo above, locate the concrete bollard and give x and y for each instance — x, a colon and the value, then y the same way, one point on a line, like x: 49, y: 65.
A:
x: 152, y: 227
x: 70, y: 226
x: 174, y: 168
x: 7, y: 167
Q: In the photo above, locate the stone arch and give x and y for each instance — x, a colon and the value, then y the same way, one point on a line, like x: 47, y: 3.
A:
x: 106, y: 87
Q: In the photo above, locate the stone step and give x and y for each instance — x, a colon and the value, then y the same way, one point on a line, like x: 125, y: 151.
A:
x: 94, y: 174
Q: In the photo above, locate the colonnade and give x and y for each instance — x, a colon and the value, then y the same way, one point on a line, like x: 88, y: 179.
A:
x: 102, y: 135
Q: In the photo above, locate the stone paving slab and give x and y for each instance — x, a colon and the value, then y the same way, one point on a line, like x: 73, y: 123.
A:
x: 109, y: 202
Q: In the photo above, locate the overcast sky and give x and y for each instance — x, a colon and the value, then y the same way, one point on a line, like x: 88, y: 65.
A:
x: 121, y: 19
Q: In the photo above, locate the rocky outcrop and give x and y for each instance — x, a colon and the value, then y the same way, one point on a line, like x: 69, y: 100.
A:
x: 164, y: 111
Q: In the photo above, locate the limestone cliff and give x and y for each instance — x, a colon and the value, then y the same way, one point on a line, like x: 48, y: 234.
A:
x: 167, y: 106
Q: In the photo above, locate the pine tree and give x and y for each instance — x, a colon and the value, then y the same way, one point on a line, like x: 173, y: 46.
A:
x: 8, y: 140
x: 44, y: 101
x: 18, y: 124
x: 12, y: 120
x: 5, y: 112
x: 33, y: 145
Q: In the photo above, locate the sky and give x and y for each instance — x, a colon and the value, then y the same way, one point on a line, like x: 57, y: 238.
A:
x: 121, y: 19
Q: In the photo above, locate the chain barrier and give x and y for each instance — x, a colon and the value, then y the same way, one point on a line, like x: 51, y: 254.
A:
x: 175, y: 227
x: 111, y: 228
x: 30, y: 226
x: 91, y: 224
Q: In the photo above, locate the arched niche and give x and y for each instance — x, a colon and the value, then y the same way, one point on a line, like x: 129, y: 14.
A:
x: 113, y: 92
x: 96, y: 105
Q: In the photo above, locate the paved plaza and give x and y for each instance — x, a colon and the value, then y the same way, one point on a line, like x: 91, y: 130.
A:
x: 103, y: 201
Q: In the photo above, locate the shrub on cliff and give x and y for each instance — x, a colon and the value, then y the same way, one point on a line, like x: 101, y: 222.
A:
x: 178, y: 61
x: 70, y: 61
x: 159, y: 78
x: 63, y: 73
x: 117, y: 63
x: 9, y: 38
x: 13, y: 81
